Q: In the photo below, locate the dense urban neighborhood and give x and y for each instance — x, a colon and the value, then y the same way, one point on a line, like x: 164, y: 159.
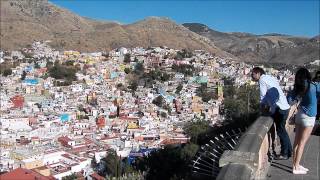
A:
x: 63, y: 111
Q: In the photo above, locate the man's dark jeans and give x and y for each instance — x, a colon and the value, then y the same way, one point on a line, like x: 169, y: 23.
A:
x: 280, y: 117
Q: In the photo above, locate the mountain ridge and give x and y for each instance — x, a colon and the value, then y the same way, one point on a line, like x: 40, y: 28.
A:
x: 23, y: 22
x: 270, y: 48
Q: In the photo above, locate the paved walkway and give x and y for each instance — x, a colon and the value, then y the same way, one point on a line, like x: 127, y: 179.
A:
x: 282, y: 169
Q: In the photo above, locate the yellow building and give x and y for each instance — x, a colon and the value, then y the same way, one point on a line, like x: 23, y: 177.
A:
x: 220, y: 91
x: 196, y: 105
x: 31, y: 163
x: 43, y: 170
x: 133, y: 125
x: 71, y: 53
x: 89, y: 61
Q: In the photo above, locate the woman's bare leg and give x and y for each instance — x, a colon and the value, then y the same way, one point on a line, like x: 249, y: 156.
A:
x: 305, y: 133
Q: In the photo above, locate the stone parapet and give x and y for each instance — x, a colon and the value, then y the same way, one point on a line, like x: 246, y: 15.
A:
x: 249, y: 159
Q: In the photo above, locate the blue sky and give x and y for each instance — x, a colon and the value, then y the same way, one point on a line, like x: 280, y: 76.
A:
x: 293, y: 17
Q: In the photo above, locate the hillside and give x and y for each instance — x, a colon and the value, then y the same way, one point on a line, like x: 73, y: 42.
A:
x: 271, y: 48
x: 23, y: 21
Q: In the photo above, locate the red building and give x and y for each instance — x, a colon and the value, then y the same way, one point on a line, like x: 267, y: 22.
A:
x: 96, y: 176
x: 17, y: 101
x: 101, y: 122
x: 25, y: 174
x: 66, y: 141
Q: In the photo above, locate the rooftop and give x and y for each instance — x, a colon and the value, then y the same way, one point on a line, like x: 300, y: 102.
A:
x: 25, y: 173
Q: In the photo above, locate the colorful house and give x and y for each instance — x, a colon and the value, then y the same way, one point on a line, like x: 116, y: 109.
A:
x: 101, y: 122
x: 18, y: 101
x: 31, y: 82
x: 65, y: 117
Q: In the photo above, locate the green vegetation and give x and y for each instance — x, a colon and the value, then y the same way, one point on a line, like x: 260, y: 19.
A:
x: 7, y: 66
x: 68, y: 63
x: 172, y: 162
x: 159, y: 101
x: 203, y: 92
x: 49, y: 64
x: 195, y: 129
x: 23, y: 76
x: 127, y: 70
x: 70, y: 177
x: 241, y: 103
x: 139, y: 68
x: 179, y: 88
x: 113, y: 166
x: 186, y: 69
x: 157, y: 74
x: 133, y: 86
x: 7, y: 72
x: 66, y: 73
x: 184, y: 53
x: 127, y: 58
x: 36, y: 65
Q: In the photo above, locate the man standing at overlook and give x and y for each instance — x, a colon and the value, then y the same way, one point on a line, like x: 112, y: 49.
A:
x: 273, y: 102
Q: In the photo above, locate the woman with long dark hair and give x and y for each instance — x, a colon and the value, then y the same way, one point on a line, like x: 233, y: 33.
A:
x: 305, y: 91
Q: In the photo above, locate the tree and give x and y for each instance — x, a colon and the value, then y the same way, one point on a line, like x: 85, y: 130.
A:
x: 63, y: 72
x: 241, y: 104
x: 175, y: 162
x: 195, y: 128
x: 165, y: 76
x: 36, y: 65
x: 73, y: 176
x: 94, y: 162
x: 110, y: 165
x: 127, y: 70
x: 203, y: 92
x: 139, y: 68
x: 119, y: 86
x: 49, y: 64
x: 113, y: 164
x: 163, y: 114
x: 159, y: 101
x: 186, y: 69
x: 189, y: 151
x: 133, y: 86
x: 157, y: 74
x: 127, y: 58
x: 23, y: 76
x: 179, y: 88
x: 184, y: 53
x: 7, y: 72
x: 126, y: 167
x: 106, y: 55
x: 69, y: 63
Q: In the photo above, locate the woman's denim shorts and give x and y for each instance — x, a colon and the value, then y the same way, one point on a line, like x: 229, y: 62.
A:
x: 304, y: 120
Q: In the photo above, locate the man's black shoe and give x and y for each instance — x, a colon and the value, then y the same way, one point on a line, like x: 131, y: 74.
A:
x: 281, y: 157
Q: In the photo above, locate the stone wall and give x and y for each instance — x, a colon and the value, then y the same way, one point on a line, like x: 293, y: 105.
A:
x: 249, y: 159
